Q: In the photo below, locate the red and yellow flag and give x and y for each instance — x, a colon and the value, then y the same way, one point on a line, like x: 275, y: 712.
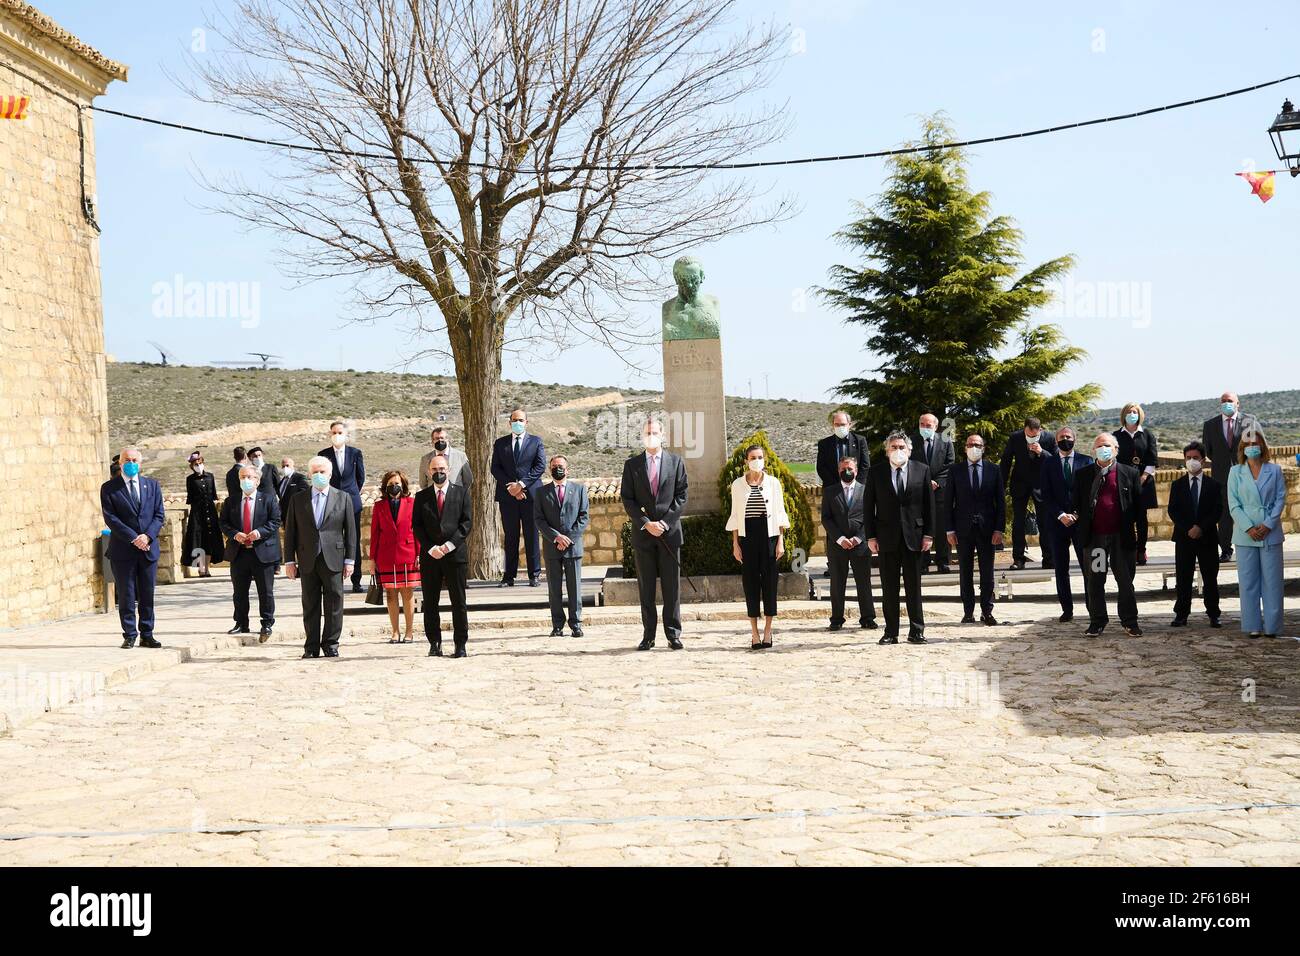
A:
x: 13, y: 107
x: 1261, y: 184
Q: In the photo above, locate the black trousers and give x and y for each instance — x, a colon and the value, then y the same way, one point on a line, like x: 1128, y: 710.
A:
x: 905, y: 563
x: 1188, y: 554
x: 659, y: 565
x: 942, y: 553
x: 1142, y: 527
x: 564, y: 574
x: 839, y: 562
x: 1019, y: 512
x: 1225, y: 517
x: 322, y: 607
x: 1063, y: 540
x: 356, y: 552
x: 758, y: 571
x: 1104, y: 557
x: 978, y: 542
x: 435, y: 573
x: 515, y: 514
x: 246, y: 570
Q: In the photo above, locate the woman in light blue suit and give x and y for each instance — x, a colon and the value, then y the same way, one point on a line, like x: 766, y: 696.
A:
x: 1256, y: 493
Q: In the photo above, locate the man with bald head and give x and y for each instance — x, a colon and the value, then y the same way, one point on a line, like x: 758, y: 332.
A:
x: 933, y: 448
x: 132, y: 506
x: 1106, y: 500
x: 1221, y: 435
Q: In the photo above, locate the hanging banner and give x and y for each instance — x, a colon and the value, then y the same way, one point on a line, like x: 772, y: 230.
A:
x: 13, y: 107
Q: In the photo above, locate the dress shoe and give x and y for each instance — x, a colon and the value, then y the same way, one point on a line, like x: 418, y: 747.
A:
x: 127, y: 643
x: 460, y: 651
x: 149, y: 642
x: 675, y: 643
x: 968, y: 619
x: 888, y: 639
x: 263, y: 635
x: 1066, y: 617
x: 1253, y: 634
x: 1094, y: 630
x: 1178, y: 622
x: 988, y: 620
x: 1226, y: 555
x: 1132, y: 630
x: 869, y: 624
x: 506, y: 583
x: 309, y: 655
x: 535, y: 581
x: 557, y: 632
x: 1214, y: 622
x: 577, y: 632
x: 1017, y: 565
x: 943, y: 569
x: 237, y: 630
x: 835, y: 627
x: 916, y: 639
x: 435, y: 648
x: 646, y: 644
x: 331, y: 652
x: 1142, y: 557
x: 358, y: 589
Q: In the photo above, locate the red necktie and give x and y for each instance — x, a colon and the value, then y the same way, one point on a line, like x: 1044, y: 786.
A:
x: 248, y: 516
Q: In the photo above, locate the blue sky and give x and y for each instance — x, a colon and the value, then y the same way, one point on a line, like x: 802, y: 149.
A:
x: 1149, y: 206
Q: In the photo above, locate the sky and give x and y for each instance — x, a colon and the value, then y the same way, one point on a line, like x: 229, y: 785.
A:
x: 1184, y: 284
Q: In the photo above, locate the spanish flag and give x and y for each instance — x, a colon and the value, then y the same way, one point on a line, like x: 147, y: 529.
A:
x: 13, y: 107
x: 1261, y: 184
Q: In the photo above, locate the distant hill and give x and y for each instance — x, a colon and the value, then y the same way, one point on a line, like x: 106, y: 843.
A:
x: 1176, y: 423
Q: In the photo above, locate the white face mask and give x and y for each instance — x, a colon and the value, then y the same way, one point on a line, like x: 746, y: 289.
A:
x: 841, y: 431
x: 756, y: 464
x: 339, y: 440
x: 256, y: 463
x: 975, y: 453
x: 898, y: 456
x: 1193, y: 465
x: 198, y: 469
x: 653, y: 441
x: 287, y: 471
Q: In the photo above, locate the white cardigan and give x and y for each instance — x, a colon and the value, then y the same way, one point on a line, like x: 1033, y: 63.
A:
x: 774, y: 498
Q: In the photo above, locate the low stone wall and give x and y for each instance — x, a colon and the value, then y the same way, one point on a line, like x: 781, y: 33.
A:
x: 602, y: 545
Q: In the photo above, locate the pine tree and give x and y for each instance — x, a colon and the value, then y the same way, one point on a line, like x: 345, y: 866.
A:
x: 939, y: 292
x: 803, y: 532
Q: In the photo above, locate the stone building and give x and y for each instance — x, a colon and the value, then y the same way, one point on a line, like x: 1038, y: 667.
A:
x: 53, y: 404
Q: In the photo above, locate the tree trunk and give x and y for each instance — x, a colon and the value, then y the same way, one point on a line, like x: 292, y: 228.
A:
x: 478, y: 379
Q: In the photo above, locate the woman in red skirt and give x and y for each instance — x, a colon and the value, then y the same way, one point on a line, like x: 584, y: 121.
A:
x: 393, y: 549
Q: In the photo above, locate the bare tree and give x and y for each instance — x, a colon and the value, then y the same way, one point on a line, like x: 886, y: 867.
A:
x: 503, y: 174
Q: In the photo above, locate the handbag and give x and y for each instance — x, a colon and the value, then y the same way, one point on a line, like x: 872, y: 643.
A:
x: 1031, y: 521
x: 374, y: 593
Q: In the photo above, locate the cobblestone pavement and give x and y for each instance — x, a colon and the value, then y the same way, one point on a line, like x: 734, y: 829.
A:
x: 1021, y: 744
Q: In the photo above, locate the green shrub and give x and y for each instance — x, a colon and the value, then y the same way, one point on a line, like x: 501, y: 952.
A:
x: 706, y: 548
x: 803, y: 532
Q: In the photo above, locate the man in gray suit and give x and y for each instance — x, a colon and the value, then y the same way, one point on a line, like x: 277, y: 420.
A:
x: 320, y: 535
x: 458, y: 469
x: 654, y: 496
x: 932, y: 447
x: 560, y: 512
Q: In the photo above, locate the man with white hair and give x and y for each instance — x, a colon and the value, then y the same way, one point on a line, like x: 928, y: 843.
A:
x: 133, y: 511
x: 899, y: 522
x: 251, y: 523
x: 320, y: 534
x: 1106, y: 501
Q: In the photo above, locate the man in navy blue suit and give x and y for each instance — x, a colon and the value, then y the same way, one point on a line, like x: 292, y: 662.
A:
x: 251, y: 522
x: 133, y: 510
x: 1058, y: 529
x: 518, y: 462
x: 349, y: 477
x: 976, y: 513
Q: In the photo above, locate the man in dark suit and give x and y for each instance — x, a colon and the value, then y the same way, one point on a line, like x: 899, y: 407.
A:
x: 561, y: 513
x: 1220, y: 437
x: 518, y: 463
x: 320, y: 533
x: 266, y: 475
x: 133, y: 511
x: 289, y: 483
x: 442, y: 520
x: 654, y: 497
x: 974, y: 519
x: 251, y: 524
x: 1057, y: 526
x: 846, y: 544
x: 232, y: 476
x: 348, y: 475
x: 840, y: 444
x: 935, y: 450
x: 1105, y: 509
x: 1195, y: 504
x: 899, y: 522
x: 1022, y: 465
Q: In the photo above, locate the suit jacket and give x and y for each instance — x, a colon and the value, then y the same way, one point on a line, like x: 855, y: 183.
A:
x: 942, y: 458
x: 286, y: 488
x: 828, y: 465
x: 266, y: 522
x: 453, y: 525
x: 968, y: 508
x: 1218, y: 449
x: 844, y: 519
x: 334, y: 541
x: 126, y: 521
x: 1253, y: 502
x: 349, y: 474
x: 458, y: 470
x: 266, y: 483
x: 1206, y: 514
x: 1020, y: 468
x: 1139, y: 450
x: 886, y: 516
x: 392, y: 542
x: 667, y: 506
x: 1086, y: 486
x: 1056, y: 496
x: 571, y: 520
x: 529, y: 470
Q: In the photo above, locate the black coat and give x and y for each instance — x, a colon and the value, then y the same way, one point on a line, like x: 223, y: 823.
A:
x: 203, y: 525
x: 844, y: 521
x: 266, y: 522
x: 286, y: 488
x: 942, y: 458
x: 828, y: 458
x: 1206, y: 514
x: 887, y: 518
x: 1021, y: 469
x: 1085, y: 499
x: 968, y: 507
x: 642, y: 506
x: 454, y: 525
x: 1140, y: 451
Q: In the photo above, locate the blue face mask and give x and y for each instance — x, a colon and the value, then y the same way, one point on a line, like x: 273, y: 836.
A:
x: 1228, y: 408
x: 131, y: 469
x: 247, y: 484
x: 517, y: 427
x: 1105, y: 453
x: 1131, y: 418
x: 927, y: 433
x: 320, y: 480
x: 1253, y: 451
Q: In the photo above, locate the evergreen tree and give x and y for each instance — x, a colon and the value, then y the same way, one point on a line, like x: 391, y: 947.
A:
x: 947, y: 316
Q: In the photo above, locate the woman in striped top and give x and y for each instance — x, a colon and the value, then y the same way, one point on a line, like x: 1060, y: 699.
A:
x: 757, y: 521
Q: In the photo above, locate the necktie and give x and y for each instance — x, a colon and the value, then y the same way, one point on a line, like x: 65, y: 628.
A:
x: 1069, y: 472
x: 318, y: 506
x: 928, y: 446
x: 848, y: 494
x: 440, y: 494
x: 654, y: 475
x: 1196, y: 494
x: 248, y: 515
x: 1227, y: 431
x: 975, y: 477
x: 518, y: 444
x: 560, y: 491
x: 898, y: 481
x: 135, y: 495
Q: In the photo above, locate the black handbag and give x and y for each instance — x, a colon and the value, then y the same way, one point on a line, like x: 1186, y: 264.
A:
x: 374, y: 593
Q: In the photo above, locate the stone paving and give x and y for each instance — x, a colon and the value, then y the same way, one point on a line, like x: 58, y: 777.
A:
x: 1025, y: 744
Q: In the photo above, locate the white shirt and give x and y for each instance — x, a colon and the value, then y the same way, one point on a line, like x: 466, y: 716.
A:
x: 848, y: 498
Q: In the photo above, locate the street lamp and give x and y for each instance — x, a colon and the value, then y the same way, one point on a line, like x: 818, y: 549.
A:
x: 1288, y: 124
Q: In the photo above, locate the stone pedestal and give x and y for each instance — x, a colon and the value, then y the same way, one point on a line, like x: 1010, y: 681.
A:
x: 695, y: 416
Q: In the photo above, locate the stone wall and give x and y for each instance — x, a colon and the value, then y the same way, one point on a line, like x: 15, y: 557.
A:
x: 53, y: 401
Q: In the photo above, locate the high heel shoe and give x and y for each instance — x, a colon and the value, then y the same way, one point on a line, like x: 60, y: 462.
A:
x: 767, y: 640
x: 393, y: 639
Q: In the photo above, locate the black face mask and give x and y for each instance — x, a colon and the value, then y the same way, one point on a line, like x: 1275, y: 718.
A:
x: 1065, y: 444
x: 440, y: 445
x: 439, y: 477
x: 394, y: 490
x: 848, y: 475
x: 558, y: 473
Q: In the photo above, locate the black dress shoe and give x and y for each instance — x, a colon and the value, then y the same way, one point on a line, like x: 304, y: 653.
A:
x: 506, y: 583
x: 358, y: 589
x: 988, y: 620
x: 435, y: 650
x: 675, y: 643
x: 1132, y: 630
x: 127, y: 643
x: 1094, y: 630
x: 888, y: 639
x: 869, y: 625
x: 943, y: 569
x: 331, y: 652
x: 835, y: 627
x: 1226, y: 555
x: 1178, y: 622
x: 535, y: 581
x: 968, y: 619
x: 263, y: 635
x: 460, y: 651
x: 309, y: 655
x: 557, y: 632
x: 237, y: 630
x: 1066, y: 617
x: 1214, y: 622
x: 916, y: 639
x: 577, y: 632
x: 1017, y: 565
x: 646, y: 644
x: 1142, y: 557
x: 149, y: 642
